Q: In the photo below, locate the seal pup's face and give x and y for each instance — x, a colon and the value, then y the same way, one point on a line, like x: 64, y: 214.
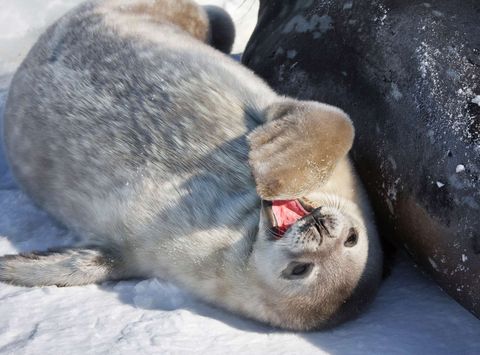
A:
x: 317, y: 265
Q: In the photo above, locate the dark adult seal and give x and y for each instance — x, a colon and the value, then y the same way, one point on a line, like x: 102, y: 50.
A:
x: 408, y: 72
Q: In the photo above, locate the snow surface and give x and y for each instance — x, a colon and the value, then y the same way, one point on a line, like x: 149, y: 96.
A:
x: 410, y: 315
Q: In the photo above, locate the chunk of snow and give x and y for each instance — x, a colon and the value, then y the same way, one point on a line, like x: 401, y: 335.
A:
x: 476, y: 100
x: 348, y: 5
x: 460, y: 168
x: 395, y: 92
x: 291, y: 53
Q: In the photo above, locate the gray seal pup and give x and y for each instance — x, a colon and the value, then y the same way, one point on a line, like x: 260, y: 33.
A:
x: 172, y: 160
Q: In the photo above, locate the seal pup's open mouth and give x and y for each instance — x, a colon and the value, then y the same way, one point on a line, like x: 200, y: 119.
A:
x: 283, y: 213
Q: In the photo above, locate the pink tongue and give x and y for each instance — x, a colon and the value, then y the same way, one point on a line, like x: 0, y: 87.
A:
x: 286, y: 213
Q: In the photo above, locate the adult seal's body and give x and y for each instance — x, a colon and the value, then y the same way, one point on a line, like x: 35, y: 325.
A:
x: 171, y: 160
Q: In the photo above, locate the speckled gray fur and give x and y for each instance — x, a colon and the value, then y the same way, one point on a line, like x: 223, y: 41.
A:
x: 134, y: 134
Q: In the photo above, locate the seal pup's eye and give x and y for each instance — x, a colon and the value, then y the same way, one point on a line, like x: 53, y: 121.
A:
x: 352, y: 238
x: 297, y: 270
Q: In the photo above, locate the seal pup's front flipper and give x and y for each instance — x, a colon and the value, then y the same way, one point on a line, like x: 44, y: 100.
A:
x: 62, y: 267
x: 298, y: 147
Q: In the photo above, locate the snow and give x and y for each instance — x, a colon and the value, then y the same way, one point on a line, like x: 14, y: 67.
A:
x: 348, y: 5
x: 433, y: 263
x: 410, y: 315
x: 318, y: 24
x: 476, y: 100
x: 395, y: 92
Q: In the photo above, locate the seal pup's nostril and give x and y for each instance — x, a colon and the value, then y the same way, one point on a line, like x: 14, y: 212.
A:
x: 321, y: 225
x: 317, y: 212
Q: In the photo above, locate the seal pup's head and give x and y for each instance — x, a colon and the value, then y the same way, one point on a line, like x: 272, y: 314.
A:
x: 316, y: 264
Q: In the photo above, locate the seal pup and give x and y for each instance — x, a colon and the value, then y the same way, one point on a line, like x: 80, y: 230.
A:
x: 172, y: 160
